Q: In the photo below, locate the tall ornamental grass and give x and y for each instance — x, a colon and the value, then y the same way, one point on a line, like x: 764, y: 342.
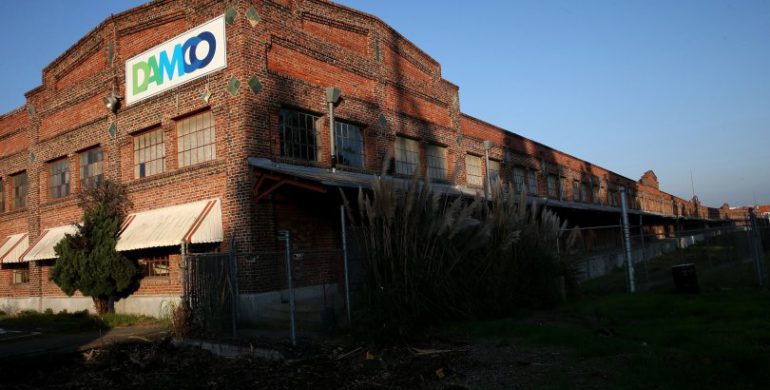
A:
x: 430, y: 257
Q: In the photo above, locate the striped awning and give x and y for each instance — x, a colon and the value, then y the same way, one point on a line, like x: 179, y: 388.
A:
x: 195, y: 223
x: 42, y: 248
x: 12, y: 247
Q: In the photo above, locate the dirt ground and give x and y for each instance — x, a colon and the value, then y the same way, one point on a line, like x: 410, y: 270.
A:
x: 441, y: 365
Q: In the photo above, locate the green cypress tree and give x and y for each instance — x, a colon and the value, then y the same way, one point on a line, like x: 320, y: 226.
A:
x: 88, y: 261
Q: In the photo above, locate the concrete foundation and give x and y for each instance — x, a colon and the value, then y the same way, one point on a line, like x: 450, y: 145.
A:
x: 153, y: 306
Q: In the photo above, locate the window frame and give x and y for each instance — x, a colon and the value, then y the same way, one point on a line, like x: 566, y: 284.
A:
x: 62, y: 189
x: 436, y: 171
x: 22, y: 274
x: 575, y: 191
x: 192, y: 141
x: 343, y: 140
x: 475, y: 173
x: 532, y: 184
x: 407, y: 156
x: 494, y: 178
x: 2, y: 195
x: 294, y: 150
x: 149, y: 147
x: 552, y: 183
x: 519, y: 178
x: 89, y: 180
x: 148, y: 265
x: 20, y: 191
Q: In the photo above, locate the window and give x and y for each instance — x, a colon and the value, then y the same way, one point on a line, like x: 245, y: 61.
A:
x: 20, y: 276
x: 436, y: 156
x: 2, y: 195
x: 91, y: 168
x: 493, y: 170
x: 473, y: 170
x: 349, y: 144
x: 551, y: 184
x: 155, y: 266
x: 595, y: 193
x: 584, y: 192
x: 196, y: 139
x: 20, y: 190
x: 407, y: 156
x: 298, y: 135
x: 575, y: 190
x: 149, y: 153
x: 532, y: 182
x: 60, y: 178
x: 563, y: 188
x: 518, y: 179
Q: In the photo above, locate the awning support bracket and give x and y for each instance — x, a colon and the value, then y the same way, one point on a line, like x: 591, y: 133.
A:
x: 280, y: 181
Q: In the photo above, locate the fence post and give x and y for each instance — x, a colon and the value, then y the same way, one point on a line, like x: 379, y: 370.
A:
x: 233, y: 275
x: 185, y: 274
x: 285, y: 235
x: 756, y: 248
x: 644, y: 254
x: 627, y: 240
x: 345, y: 262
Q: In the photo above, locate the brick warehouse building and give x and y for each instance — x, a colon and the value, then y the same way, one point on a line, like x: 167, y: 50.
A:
x: 234, y: 143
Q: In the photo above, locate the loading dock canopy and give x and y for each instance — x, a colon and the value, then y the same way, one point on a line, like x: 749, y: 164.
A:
x: 42, y: 249
x: 12, y: 247
x: 195, y: 223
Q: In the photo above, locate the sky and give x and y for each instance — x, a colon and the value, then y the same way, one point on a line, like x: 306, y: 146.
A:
x: 678, y: 87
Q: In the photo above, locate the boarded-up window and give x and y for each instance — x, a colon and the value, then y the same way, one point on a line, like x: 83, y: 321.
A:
x: 196, y: 139
x: 91, y: 168
x: 473, y: 171
x: 149, y: 153
x: 436, y: 158
x: 407, y: 156
x: 60, y: 178
x: 19, y: 190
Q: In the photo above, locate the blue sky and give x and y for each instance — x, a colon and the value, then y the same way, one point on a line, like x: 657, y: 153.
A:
x: 631, y: 85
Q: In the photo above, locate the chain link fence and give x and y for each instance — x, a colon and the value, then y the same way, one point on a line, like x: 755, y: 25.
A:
x: 598, y: 255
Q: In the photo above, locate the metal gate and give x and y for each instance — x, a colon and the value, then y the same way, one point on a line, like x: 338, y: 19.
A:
x: 211, y: 290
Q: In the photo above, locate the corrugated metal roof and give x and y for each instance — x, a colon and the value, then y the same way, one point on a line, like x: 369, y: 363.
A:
x: 42, y: 249
x: 196, y: 223
x: 13, y: 247
x: 362, y: 180
x: 349, y: 179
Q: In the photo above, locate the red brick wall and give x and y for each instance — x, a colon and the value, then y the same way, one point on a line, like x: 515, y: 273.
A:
x: 292, y: 63
x: 300, y: 47
x: 339, y: 33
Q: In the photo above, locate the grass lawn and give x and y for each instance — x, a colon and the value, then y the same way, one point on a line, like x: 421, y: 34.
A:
x: 656, y: 339
x: 68, y: 322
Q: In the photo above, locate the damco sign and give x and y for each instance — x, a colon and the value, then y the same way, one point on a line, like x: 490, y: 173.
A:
x: 185, y: 57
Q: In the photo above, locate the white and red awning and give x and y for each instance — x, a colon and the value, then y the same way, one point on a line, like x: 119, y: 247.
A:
x: 12, y: 247
x: 42, y: 248
x: 194, y: 223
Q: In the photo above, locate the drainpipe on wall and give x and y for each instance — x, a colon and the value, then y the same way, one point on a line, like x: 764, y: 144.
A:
x: 332, y: 97
x: 487, y: 146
